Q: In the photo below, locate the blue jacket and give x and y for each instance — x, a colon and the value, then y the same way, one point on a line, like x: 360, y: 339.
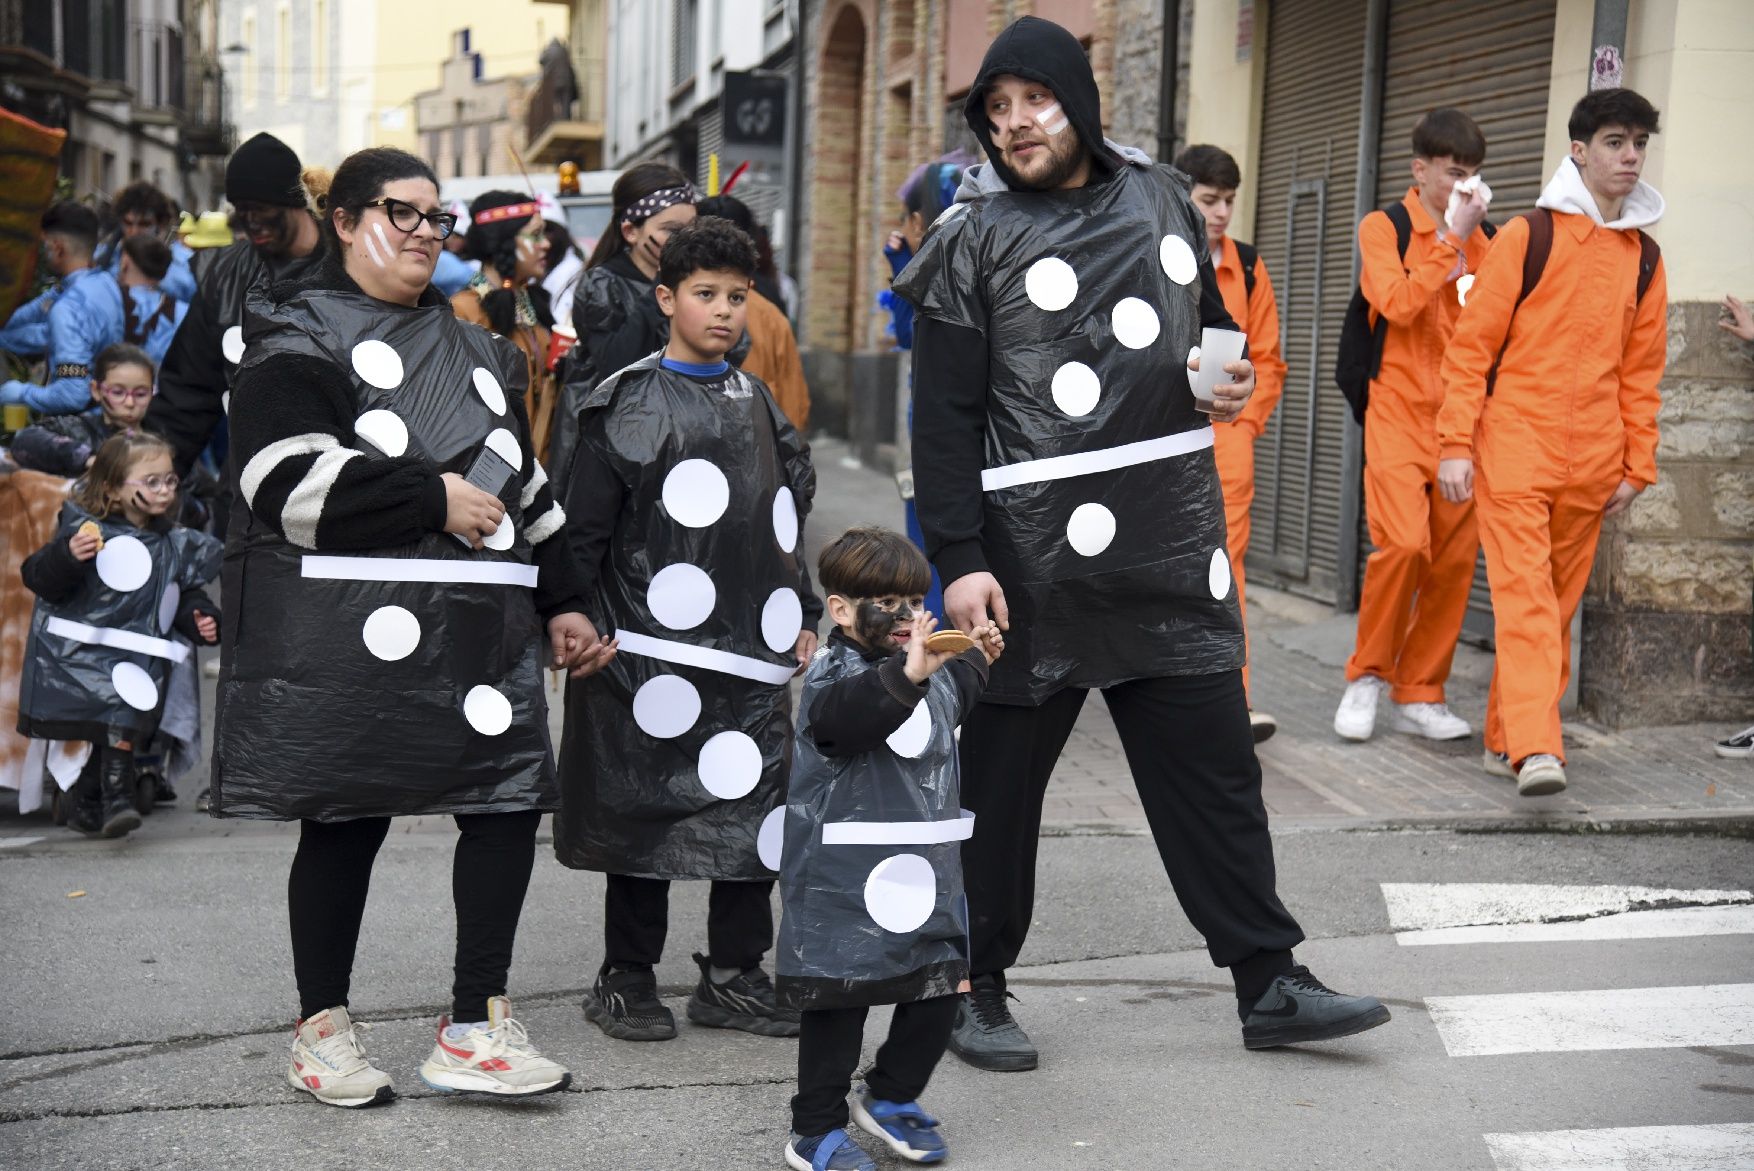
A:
x: 85, y: 316
x: 179, y: 279
x: 26, y: 332
x: 452, y: 273
x: 152, y: 321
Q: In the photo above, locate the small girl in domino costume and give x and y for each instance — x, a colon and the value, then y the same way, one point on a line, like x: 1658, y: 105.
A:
x: 112, y: 588
x: 870, y: 868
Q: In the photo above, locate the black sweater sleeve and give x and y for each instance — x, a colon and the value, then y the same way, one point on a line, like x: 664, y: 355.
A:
x: 859, y: 712
x: 968, y: 671
x: 949, y: 442
x: 190, y: 399
x: 595, y: 496
x: 291, y: 439
x: 53, y: 573
x: 192, y: 601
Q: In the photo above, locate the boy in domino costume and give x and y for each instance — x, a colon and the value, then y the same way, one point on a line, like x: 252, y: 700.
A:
x: 1067, y: 490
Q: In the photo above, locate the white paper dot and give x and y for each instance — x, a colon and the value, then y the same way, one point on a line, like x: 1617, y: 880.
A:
x: 487, y: 711
x: 135, y: 686
x: 505, y: 445
x: 665, y: 706
x: 730, y: 765
x: 1218, y: 576
x: 1193, y: 375
x: 1463, y: 285
x: 167, y: 607
x: 900, y: 892
x: 225, y: 402
x: 1135, y: 323
x: 231, y: 344
x: 1178, y: 260
x: 785, y: 519
x: 378, y: 364
x: 1076, y: 389
x: 782, y: 620
x: 123, y: 564
x: 1091, y: 529
x: 1051, y: 283
x: 696, y: 493
x: 488, y: 387
x: 391, y: 633
x: 770, y: 840
x: 915, y: 734
x: 681, y: 596
x: 383, y: 430
x: 500, y: 539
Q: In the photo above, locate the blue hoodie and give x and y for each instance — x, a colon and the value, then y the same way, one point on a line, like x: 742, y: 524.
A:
x: 84, y: 317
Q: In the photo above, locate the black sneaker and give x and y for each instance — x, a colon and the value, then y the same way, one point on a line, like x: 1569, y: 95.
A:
x: 746, y: 1001
x: 1297, y: 1008
x: 986, y: 1035
x: 625, y: 1006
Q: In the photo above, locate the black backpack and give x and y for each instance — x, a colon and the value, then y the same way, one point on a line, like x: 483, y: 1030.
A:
x: 1360, y: 355
x: 1248, y: 256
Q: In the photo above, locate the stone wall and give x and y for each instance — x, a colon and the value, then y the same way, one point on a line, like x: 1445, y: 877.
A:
x: 1668, y: 632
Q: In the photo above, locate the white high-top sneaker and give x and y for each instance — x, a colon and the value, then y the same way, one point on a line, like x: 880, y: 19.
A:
x: 1356, y: 718
x: 497, y: 1059
x: 1541, y: 775
x: 1434, y: 721
x: 329, y: 1063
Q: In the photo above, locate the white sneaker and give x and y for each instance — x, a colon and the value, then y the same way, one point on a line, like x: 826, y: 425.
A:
x: 1434, y: 721
x: 329, y: 1063
x: 1541, y: 775
x: 1356, y: 719
x: 1497, y: 764
x: 496, y: 1059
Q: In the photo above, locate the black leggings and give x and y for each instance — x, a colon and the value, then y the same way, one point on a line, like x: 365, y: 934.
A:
x: 636, y: 919
x: 331, y: 875
x: 828, y: 1052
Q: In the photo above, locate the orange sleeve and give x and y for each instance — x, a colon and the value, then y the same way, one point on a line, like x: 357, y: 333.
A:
x: 1262, y: 328
x: 1392, y: 291
x: 1480, y: 332
x: 773, y: 358
x: 466, y: 305
x: 1641, y: 369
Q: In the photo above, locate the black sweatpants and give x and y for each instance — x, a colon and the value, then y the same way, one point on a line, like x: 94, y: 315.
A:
x: 636, y: 921
x: 331, y: 875
x: 828, y: 1052
x: 1192, y: 755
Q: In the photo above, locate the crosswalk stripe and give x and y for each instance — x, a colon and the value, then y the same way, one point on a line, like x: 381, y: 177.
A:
x: 1725, y: 1147
x: 1665, y: 924
x: 1612, y: 1018
x: 1425, y: 906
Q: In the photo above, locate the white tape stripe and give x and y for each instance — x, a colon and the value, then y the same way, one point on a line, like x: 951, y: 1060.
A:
x: 1086, y: 463
x: 1613, y: 1018
x: 688, y: 655
x: 421, y: 569
x: 899, y: 833
x: 121, y: 640
x: 1656, y: 1148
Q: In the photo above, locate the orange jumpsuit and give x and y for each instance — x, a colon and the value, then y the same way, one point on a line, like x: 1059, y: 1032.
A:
x: 1573, y: 413
x: 1416, y: 582
x: 1234, y: 446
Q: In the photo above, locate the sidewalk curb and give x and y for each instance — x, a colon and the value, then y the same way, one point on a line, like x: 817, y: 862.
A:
x: 1732, y: 823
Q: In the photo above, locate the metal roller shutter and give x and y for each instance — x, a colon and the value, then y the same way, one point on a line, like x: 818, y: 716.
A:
x: 1304, y: 230
x: 1493, y: 60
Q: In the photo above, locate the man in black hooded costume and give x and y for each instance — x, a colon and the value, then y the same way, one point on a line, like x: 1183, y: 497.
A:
x: 1066, y: 485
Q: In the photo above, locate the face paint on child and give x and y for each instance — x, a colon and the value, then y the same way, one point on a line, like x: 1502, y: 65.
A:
x: 875, y: 626
x: 1053, y: 119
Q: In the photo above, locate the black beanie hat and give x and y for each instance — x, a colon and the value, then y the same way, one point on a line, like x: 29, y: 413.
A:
x: 264, y: 170
x: 1040, y: 50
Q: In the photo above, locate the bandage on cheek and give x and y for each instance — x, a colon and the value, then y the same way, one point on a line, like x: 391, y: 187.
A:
x: 1053, y: 119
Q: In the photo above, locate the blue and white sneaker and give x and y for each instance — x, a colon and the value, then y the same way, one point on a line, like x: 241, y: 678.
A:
x: 834, y: 1151
x: 909, y: 1131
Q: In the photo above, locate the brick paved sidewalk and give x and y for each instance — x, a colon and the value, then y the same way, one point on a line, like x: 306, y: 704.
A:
x: 1646, y: 776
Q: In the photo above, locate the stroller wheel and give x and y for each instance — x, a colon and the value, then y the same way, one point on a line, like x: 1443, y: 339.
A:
x: 145, y: 792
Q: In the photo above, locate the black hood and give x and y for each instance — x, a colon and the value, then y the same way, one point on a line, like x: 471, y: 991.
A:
x: 1040, y: 50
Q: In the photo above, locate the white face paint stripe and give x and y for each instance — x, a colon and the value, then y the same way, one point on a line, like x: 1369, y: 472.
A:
x: 372, y: 251
x: 1053, y: 119
x: 1659, y: 1148
x: 899, y: 833
x: 122, y: 640
x: 378, y: 230
x: 1613, y: 1018
x: 1085, y: 463
x: 434, y: 571
x: 689, y: 655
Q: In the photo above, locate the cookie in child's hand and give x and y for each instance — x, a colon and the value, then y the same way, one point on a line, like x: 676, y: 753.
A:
x: 953, y: 642
x: 90, y: 529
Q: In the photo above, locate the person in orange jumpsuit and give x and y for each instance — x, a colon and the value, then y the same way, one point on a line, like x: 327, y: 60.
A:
x: 1416, y: 582
x: 1216, y: 178
x: 1567, y: 432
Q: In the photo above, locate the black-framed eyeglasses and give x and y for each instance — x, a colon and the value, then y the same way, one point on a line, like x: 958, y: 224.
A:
x: 405, y: 217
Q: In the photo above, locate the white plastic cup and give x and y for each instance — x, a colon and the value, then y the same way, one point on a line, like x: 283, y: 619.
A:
x: 1218, y: 348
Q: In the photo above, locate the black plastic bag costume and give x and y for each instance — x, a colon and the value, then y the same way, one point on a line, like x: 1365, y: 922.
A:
x: 1101, y: 495
x: 675, y: 752
x: 99, y: 660
x: 870, y: 870
x: 616, y: 318
x: 402, y: 679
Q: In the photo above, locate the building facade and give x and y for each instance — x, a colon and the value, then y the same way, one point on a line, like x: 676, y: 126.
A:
x: 471, y: 125
x: 1316, y: 99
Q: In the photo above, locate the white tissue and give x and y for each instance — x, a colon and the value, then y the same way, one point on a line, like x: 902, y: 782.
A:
x: 1461, y: 191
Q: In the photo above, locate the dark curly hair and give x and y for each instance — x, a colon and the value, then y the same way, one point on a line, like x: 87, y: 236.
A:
x: 496, y: 244
x: 142, y: 198
x: 708, y: 243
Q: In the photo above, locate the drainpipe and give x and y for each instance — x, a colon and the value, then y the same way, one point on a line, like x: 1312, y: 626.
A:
x: 798, y: 16
x: 1607, y: 31
x: 1376, y: 38
x: 1167, y: 74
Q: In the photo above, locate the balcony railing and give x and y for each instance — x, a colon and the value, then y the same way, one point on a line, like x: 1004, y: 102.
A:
x: 569, y: 90
x: 206, y: 130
